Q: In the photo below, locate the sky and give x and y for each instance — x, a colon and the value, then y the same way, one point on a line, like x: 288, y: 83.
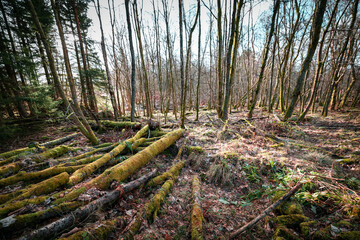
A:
x: 147, y: 12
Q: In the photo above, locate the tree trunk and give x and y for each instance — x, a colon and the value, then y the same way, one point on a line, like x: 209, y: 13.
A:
x: 142, y: 58
x: 91, y: 96
x: 320, y: 64
x: 187, y: 66
x: 133, y: 66
x: 219, y: 61
x: 81, y: 127
x: 103, y: 49
x: 52, y: 229
x: 265, y: 56
x: 315, y: 33
x: 232, y: 65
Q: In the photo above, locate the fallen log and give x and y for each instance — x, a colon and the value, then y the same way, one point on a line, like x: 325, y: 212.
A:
x: 249, y: 225
x: 46, y: 144
x: 39, y: 175
x: 29, y: 152
x: 44, y: 187
x: 52, y: 229
x: 173, y: 172
x: 98, y: 230
x: 124, y: 169
x: 59, y: 140
x: 12, y: 223
x: 157, y: 133
x: 149, y: 211
x: 5, y: 209
x: 88, y: 169
x: 196, y: 215
x: 116, y: 125
x: 121, y: 171
x: 90, y: 153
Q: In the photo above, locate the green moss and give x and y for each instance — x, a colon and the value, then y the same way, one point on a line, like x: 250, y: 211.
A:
x: 286, y: 207
x: 153, y: 206
x: 352, y: 235
x: 349, y: 160
x: 322, y: 234
x: 277, y: 195
x: 285, y: 233
x: 343, y: 224
x: 305, y: 227
x: 292, y: 220
x: 279, y: 238
x: 191, y: 149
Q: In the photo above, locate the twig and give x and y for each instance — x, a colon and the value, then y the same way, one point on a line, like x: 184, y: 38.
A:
x: 266, y: 212
x: 330, y: 178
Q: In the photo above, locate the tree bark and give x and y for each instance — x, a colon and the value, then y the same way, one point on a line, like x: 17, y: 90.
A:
x: 52, y: 229
x: 264, y: 60
x: 133, y: 66
x: 232, y: 65
x: 103, y: 49
x: 315, y: 34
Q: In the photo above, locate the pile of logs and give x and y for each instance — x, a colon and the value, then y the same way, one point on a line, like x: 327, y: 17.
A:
x: 52, y: 204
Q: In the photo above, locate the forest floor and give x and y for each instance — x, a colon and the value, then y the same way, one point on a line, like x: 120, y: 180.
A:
x: 243, y: 168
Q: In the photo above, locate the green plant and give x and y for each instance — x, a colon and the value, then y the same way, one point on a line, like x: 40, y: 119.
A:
x: 252, y: 172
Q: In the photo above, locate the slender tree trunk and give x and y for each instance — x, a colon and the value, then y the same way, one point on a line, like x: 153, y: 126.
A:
x: 70, y: 78
x: 103, y: 49
x: 182, y: 82
x: 199, y: 71
x: 232, y: 65
x: 315, y: 34
x: 133, y: 92
x: 265, y: 56
x: 320, y: 64
x: 91, y: 96
x: 219, y: 62
x: 187, y: 65
x: 81, y: 127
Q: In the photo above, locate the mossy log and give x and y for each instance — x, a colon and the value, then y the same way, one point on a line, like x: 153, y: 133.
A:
x: 98, y: 230
x: 117, y: 125
x: 13, y: 152
x: 46, y: 144
x: 153, y: 206
x: 53, y: 153
x: 27, y: 153
x: 27, y: 176
x: 172, y: 173
x: 81, y: 161
x: 292, y: 220
x: 12, y: 223
x: 44, y: 187
x: 54, y: 228
x: 60, y: 140
x: 102, y: 145
x: 196, y: 215
x: 5, y: 209
x: 88, y: 169
x: 10, y: 169
x: 191, y: 149
x: 90, y: 153
x: 157, y: 133
x: 149, y: 211
x: 124, y: 169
